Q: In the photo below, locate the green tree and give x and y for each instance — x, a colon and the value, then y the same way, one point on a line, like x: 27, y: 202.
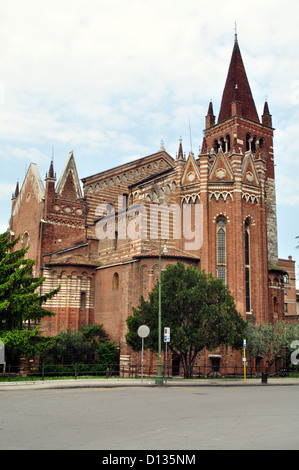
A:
x: 23, y: 343
x: 271, y: 341
x: 101, y: 348
x: 70, y: 347
x: 20, y: 302
x: 89, y: 345
x: 20, y: 297
x: 198, y: 309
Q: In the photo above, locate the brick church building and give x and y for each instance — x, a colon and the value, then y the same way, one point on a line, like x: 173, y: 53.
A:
x: 96, y: 241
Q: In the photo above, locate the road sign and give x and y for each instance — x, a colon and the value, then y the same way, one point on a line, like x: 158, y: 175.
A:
x: 244, y: 358
x: 143, y: 331
x: 166, y: 335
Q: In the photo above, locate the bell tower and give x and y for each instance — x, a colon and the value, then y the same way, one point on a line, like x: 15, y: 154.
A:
x: 238, y: 194
x: 239, y: 130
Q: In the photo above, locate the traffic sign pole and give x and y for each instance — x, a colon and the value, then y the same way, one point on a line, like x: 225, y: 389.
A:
x: 143, y: 332
x: 244, y: 358
x: 166, y: 340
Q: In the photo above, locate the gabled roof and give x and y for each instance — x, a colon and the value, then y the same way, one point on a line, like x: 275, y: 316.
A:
x: 32, y: 178
x: 161, y: 155
x: 69, y: 172
x: 249, y: 173
x: 221, y: 170
x: 237, y: 89
x: 191, y: 171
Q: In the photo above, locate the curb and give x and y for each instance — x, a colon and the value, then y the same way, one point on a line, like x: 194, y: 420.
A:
x: 106, y: 383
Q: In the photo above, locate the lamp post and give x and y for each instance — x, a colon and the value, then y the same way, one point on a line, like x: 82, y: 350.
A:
x: 159, y: 378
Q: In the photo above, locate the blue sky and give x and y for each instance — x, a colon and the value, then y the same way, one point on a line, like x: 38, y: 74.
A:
x: 110, y: 80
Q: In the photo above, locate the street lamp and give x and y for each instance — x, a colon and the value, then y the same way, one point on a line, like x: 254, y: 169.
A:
x: 159, y: 378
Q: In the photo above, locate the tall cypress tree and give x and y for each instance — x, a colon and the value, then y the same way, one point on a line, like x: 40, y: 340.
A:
x: 20, y: 292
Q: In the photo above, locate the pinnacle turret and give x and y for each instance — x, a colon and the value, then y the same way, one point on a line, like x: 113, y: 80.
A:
x: 266, y: 117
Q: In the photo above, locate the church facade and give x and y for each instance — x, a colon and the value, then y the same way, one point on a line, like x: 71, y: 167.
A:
x: 216, y: 211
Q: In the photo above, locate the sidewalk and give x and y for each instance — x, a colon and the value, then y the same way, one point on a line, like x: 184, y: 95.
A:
x: 119, y: 383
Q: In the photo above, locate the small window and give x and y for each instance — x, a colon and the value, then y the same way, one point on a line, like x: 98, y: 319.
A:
x: 253, y: 144
x: 286, y: 307
x: 83, y: 300
x: 25, y: 240
x: 248, y: 142
x: 115, y: 281
x: 216, y: 146
x: 227, y: 142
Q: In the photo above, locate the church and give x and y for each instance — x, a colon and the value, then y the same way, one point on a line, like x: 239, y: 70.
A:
x: 99, y: 238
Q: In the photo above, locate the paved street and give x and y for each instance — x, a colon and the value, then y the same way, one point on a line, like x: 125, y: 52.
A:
x: 144, y: 418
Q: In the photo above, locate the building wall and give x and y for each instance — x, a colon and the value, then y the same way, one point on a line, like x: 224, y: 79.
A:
x: 74, y: 303
x: 289, y: 286
x: 27, y: 214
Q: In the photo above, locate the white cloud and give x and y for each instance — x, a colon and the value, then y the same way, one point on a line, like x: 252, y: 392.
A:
x: 109, y: 80
x: 3, y: 228
x: 6, y: 191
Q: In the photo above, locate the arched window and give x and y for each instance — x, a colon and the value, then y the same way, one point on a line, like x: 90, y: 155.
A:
x: 227, y: 137
x: 221, y: 249
x: 25, y: 239
x: 83, y: 300
x: 216, y: 146
x: 115, y: 240
x: 25, y: 242
x: 115, y: 281
x: 247, y: 267
x: 253, y: 144
x: 248, y: 142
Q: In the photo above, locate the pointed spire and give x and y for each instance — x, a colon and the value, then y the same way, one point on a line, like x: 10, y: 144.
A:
x: 237, y: 97
x: 51, y: 170
x: 50, y: 174
x: 266, y: 107
x: 266, y: 117
x: 236, y: 35
x: 180, y: 153
x: 210, y: 118
x: 210, y: 110
x: 17, y: 190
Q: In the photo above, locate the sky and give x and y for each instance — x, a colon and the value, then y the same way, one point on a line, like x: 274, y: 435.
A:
x: 111, y: 80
